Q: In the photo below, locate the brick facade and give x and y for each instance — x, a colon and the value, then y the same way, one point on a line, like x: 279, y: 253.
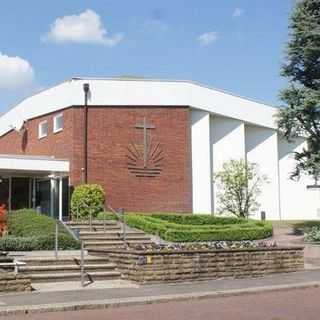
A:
x: 110, y: 132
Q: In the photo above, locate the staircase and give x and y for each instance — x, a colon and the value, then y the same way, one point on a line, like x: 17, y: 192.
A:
x: 107, y: 235
x: 100, y: 235
x: 49, y: 269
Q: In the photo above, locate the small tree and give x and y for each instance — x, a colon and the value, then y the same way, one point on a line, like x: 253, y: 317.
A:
x: 239, y: 185
x: 87, y: 199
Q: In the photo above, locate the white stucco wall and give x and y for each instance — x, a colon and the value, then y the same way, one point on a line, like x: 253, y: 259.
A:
x: 262, y: 148
x: 296, y: 201
x: 227, y: 138
x: 201, y: 166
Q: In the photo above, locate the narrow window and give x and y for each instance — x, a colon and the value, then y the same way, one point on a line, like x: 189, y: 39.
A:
x: 58, y: 123
x: 43, y: 129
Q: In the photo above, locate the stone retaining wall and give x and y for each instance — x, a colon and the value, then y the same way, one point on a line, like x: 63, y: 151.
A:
x: 10, y: 282
x: 145, y: 267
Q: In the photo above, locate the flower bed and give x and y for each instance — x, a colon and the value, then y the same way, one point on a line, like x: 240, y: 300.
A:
x: 190, y: 228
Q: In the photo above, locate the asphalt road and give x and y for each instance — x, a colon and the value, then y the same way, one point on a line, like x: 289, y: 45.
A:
x: 298, y: 304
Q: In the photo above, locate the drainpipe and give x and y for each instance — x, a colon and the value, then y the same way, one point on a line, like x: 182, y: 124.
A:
x: 86, y: 89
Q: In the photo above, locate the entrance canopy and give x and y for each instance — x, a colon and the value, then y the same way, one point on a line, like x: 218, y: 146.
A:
x: 35, y: 182
x: 33, y: 166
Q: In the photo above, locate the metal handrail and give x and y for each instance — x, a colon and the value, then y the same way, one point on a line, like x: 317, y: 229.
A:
x: 14, y: 264
x: 120, y: 215
x: 83, y: 273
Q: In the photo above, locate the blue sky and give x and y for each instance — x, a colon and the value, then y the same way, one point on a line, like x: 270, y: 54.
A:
x: 235, y: 45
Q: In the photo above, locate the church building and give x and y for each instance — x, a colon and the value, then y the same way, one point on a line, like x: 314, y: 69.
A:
x: 153, y: 145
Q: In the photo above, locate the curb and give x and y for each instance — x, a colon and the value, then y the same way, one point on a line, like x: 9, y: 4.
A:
x: 125, y: 302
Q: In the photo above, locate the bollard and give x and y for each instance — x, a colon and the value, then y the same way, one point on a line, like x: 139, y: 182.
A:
x: 263, y: 215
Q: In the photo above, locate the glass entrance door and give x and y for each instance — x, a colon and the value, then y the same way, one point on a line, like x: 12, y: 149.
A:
x: 20, y: 193
x: 43, y: 196
x: 4, y: 192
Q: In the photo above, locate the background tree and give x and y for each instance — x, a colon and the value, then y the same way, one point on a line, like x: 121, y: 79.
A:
x: 238, y: 186
x: 300, y: 117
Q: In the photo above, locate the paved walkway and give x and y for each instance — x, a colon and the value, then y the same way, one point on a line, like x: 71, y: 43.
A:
x: 283, y: 235
x: 102, y: 298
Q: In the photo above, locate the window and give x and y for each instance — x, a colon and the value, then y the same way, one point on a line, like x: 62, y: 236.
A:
x: 43, y: 129
x: 58, y: 123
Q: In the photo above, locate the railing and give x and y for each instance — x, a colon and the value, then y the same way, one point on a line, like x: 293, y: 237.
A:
x: 121, y: 217
x: 76, y: 236
x: 14, y: 264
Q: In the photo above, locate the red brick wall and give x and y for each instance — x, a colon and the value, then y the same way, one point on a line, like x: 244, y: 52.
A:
x: 27, y: 142
x: 111, y: 129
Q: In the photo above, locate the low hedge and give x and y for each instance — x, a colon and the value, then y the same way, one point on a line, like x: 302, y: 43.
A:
x: 29, y: 230
x: 197, y: 219
x: 12, y: 243
x: 237, y: 230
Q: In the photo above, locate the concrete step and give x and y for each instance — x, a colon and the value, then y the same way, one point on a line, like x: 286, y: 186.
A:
x: 94, y: 223
x: 110, y: 232
x: 91, y: 238
x: 98, y: 228
x: 74, y: 276
x: 115, y: 243
x: 35, y: 270
x: 51, y: 261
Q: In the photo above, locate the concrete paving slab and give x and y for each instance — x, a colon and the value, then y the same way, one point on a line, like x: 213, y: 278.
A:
x: 76, y: 285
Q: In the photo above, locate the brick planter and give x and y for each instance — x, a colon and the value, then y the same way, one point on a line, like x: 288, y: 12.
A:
x: 173, y: 266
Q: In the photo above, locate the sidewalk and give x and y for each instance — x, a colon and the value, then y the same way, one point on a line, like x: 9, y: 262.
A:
x: 93, y: 298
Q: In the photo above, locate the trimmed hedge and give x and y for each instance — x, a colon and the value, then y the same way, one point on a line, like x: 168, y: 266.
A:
x: 29, y: 230
x: 196, y: 230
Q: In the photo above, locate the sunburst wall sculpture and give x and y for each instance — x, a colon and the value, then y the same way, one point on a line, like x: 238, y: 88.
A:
x: 145, y: 158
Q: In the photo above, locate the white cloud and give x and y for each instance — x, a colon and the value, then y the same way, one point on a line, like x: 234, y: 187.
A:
x: 15, y: 72
x: 207, y: 38
x: 237, y: 12
x: 86, y: 27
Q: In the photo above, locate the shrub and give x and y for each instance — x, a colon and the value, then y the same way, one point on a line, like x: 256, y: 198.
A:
x: 87, y: 199
x: 313, y: 234
x: 106, y: 216
x: 236, y: 230
x: 29, y: 230
x: 12, y: 243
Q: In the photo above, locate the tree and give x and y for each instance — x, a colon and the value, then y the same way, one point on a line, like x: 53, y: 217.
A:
x: 301, y: 115
x: 238, y: 186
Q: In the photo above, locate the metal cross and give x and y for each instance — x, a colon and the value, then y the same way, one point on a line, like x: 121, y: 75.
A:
x: 145, y: 127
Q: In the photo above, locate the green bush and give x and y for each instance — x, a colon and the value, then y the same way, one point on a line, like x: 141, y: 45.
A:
x: 106, y: 216
x: 29, y: 230
x: 196, y: 230
x: 313, y: 234
x: 87, y: 199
